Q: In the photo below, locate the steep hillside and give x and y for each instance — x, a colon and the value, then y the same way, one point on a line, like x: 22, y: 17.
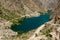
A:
x: 51, y: 29
x: 14, y: 11
x: 48, y: 31
x: 40, y: 5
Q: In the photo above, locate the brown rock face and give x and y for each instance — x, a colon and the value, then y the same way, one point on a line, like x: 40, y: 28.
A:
x: 40, y: 4
x: 33, y: 5
x: 56, y: 12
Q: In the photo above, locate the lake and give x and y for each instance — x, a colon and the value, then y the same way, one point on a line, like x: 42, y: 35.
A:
x: 32, y: 23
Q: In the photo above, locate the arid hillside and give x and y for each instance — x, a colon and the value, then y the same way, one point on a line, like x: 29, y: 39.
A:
x: 21, y: 6
x: 12, y: 12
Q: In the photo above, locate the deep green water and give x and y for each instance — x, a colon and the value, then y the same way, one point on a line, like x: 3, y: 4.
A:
x: 32, y: 23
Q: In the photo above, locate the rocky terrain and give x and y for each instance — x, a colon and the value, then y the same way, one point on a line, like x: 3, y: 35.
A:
x: 51, y: 29
x: 13, y: 11
x: 48, y: 31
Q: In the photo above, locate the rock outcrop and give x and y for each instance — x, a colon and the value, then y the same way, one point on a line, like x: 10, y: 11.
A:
x: 5, y: 32
x: 30, y: 7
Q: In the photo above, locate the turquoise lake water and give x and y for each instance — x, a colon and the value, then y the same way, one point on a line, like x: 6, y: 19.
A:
x: 32, y: 23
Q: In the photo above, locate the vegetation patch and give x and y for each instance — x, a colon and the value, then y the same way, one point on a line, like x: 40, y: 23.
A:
x: 10, y: 16
x: 46, y: 32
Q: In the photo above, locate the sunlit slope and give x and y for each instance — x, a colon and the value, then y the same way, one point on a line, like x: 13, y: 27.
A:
x: 14, y: 10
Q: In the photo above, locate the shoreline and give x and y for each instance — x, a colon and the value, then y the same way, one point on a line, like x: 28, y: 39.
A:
x: 38, y: 30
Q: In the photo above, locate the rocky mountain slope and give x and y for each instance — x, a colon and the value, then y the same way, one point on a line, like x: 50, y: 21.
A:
x: 13, y: 11
x: 16, y: 9
x: 48, y: 31
x: 51, y: 29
